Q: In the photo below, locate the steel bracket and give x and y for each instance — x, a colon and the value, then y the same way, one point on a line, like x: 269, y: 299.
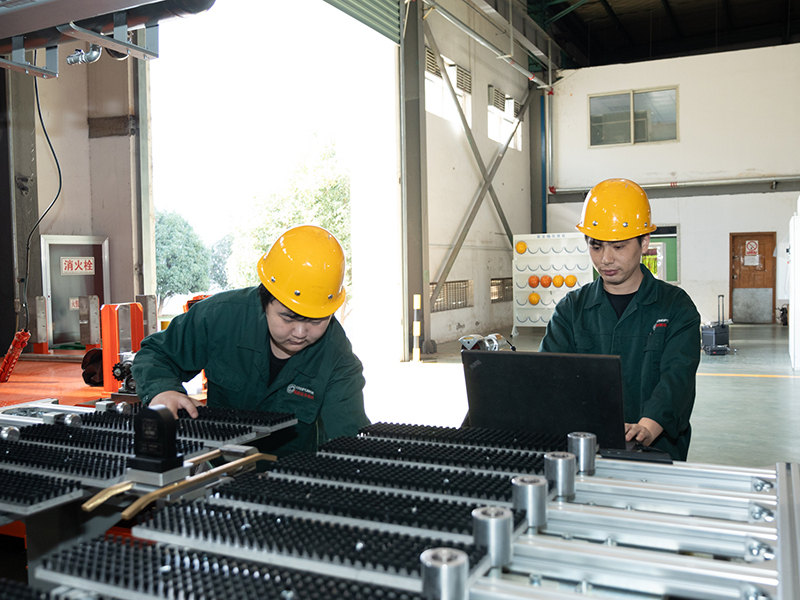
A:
x: 18, y: 62
x: 119, y: 42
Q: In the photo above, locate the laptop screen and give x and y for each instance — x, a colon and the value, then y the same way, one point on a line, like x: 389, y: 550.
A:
x: 546, y: 392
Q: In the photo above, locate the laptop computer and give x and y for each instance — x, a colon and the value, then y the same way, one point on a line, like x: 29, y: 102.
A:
x: 546, y: 392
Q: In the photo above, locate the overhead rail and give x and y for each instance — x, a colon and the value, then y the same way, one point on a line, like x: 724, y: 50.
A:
x: 484, y: 42
x: 528, y: 33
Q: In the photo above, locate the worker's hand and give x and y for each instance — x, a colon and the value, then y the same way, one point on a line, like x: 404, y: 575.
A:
x: 645, y: 431
x: 175, y: 401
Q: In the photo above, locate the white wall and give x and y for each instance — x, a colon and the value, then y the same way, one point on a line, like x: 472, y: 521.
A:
x: 737, y: 117
x: 454, y: 180
x: 730, y: 126
x: 63, y: 101
x: 705, y: 227
x: 99, y: 178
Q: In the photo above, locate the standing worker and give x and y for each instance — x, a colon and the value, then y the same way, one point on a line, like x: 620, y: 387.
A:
x: 276, y: 347
x: 653, y: 326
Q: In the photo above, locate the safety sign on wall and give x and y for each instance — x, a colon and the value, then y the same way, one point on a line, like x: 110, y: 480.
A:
x: 77, y: 265
x: 751, y: 253
x: 547, y: 266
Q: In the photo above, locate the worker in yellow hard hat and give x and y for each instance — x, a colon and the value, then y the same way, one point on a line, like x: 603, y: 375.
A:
x: 653, y: 326
x: 276, y: 347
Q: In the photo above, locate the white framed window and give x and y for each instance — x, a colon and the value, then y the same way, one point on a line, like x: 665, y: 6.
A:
x: 633, y: 117
x: 438, y: 100
x: 502, y: 115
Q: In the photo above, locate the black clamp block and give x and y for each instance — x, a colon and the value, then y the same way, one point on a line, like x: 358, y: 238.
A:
x: 155, y: 440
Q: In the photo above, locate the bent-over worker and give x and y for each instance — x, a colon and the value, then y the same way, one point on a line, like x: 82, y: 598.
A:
x: 276, y: 347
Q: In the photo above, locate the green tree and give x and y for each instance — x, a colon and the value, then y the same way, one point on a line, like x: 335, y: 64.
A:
x: 318, y: 193
x: 182, y: 260
x: 220, y: 252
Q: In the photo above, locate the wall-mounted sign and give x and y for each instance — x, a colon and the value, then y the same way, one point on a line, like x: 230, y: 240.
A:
x: 77, y: 265
x: 751, y: 248
x: 74, y: 304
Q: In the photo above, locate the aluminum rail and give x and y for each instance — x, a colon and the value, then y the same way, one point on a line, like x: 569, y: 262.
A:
x: 740, y: 479
x: 750, y: 542
x: 677, y: 500
x: 630, y: 569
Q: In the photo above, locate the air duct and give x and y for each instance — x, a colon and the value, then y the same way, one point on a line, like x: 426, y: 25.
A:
x: 138, y: 17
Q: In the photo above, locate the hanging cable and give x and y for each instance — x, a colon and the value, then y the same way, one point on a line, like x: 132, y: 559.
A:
x: 24, y: 280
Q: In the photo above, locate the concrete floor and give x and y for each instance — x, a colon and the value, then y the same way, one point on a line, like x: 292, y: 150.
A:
x: 747, y: 409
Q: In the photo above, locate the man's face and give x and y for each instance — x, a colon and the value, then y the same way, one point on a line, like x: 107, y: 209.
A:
x: 618, y: 263
x: 289, y: 332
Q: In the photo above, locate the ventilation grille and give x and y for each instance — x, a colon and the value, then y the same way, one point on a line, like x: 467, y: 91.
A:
x: 430, y: 63
x: 454, y: 295
x: 517, y: 110
x: 497, y: 98
x: 502, y: 290
x: 463, y: 79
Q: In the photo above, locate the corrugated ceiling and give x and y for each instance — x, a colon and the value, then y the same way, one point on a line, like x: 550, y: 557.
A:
x: 599, y: 32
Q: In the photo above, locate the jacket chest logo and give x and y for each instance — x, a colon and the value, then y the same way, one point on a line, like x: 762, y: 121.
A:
x: 296, y: 390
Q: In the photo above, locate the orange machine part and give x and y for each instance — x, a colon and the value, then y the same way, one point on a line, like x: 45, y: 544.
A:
x: 12, y: 356
x: 109, y: 333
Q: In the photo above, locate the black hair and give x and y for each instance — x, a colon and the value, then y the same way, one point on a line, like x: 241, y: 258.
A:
x: 267, y: 297
x: 639, y: 238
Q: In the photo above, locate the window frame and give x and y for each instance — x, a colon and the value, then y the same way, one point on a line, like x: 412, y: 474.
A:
x: 632, y: 115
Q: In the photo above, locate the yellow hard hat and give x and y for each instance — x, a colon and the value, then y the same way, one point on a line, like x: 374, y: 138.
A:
x: 304, y: 271
x: 616, y: 210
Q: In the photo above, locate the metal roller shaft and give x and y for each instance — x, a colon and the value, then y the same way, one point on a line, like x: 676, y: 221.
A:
x: 529, y: 493
x: 444, y: 574
x: 560, y: 468
x: 492, y: 527
x: 584, y: 446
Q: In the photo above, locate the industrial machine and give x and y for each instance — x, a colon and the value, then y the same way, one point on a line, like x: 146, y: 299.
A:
x: 408, y: 512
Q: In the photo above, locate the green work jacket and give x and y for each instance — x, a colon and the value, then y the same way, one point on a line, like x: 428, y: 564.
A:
x: 227, y: 335
x: 658, y: 341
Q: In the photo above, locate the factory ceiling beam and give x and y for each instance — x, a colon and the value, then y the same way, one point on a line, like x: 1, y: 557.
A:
x: 671, y: 17
x: 565, y: 12
x: 610, y: 12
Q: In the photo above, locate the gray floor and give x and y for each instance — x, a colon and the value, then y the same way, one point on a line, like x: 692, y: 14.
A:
x: 747, y: 410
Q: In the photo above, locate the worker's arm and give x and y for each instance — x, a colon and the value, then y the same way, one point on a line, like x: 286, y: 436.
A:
x: 342, y: 411
x: 676, y: 352
x: 170, y: 357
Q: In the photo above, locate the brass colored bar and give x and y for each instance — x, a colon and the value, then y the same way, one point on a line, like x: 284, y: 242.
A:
x: 106, y: 494
x: 204, y: 457
x: 235, y: 465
